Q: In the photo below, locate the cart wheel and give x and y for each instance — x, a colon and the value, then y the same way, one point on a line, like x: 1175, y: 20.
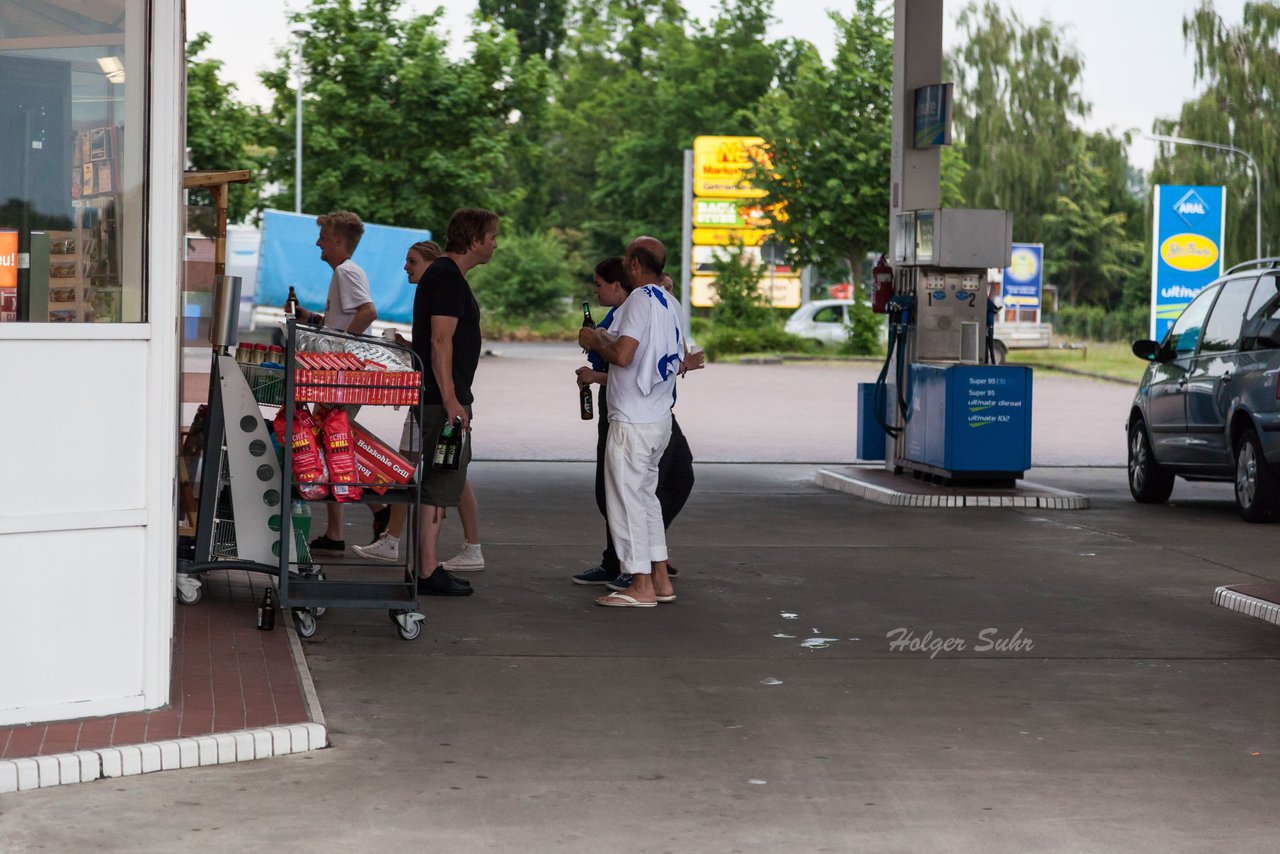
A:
x: 189, y: 594
x: 408, y: 623
x: 305, y: 622
x: 395, y: 616
x: 318, y: 611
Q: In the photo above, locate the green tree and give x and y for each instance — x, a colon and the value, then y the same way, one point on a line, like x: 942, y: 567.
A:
x: 739, y: 302
x: 529, y: 279
x: 1018, y: 107
x: 539, y: 25
x: 1088, y: 249
x: 826, y: 138
x: 1239, y: 67
x: 221, y: 131
x: 640, y: 82
x: 394, y: 129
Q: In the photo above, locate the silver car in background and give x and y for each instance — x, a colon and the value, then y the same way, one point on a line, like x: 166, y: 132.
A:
x: 824, y: 320
x: 1208, y: 407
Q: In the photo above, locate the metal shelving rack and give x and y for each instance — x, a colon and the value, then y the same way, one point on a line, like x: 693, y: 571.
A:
x: 302, y: 594
x: 244, y: 519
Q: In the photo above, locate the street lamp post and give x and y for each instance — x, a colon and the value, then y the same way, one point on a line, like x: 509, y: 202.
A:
x: 300, y: 33
x: 1257, y: 178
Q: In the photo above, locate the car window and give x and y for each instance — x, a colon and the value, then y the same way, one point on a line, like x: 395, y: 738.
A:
x: 1185, y: 334
x: 1222, y: 331
x: 829, y: 314
x: 1266, y: 299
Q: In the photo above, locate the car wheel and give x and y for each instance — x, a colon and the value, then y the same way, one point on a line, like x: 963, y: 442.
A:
x: 999, y: 352
x: 1256, y: 487
x: 1149, y: 482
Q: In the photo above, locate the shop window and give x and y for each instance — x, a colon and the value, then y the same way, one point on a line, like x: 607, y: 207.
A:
x: 72, y: 87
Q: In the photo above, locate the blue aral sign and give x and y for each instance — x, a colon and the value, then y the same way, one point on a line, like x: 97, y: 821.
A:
x: 1187, y: 250
x: 1024, y: 277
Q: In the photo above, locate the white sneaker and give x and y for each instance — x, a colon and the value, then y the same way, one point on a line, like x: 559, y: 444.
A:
x: 386, y: 548
x: 469, y: 559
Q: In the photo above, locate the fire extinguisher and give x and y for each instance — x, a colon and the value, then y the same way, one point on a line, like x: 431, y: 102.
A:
x: 882, y: 284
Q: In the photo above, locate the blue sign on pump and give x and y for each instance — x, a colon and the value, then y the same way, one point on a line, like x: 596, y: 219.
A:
x: 932, y: 126
x: 1024, y: 277
x: 1187, y: 250
x: 290, y: 257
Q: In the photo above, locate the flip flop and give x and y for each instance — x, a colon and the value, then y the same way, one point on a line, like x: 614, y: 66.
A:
x: 622, y: 600
x: 665, y: 599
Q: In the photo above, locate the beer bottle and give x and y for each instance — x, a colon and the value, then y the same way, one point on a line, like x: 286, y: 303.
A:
x: 291, y: 303
x: 267, y: 611
x: 448, y: 451
x: 587, y: 322
x: 584, y: 402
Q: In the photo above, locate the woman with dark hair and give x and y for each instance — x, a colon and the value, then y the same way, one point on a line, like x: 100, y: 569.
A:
x: 675, y: 470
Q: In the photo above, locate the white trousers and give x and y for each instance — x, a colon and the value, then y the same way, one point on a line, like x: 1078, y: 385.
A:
x: 631, y: 456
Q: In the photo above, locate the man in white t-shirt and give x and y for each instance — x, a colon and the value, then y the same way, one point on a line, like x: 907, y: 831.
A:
x: 644, y: 348
x: 349, y: 308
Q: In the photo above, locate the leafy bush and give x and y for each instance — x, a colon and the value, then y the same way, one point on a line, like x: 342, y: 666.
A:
x: 739, y: 303
x: 530, y: 278
x: 731, y: 340
x: 863, y: 328
x: 1096, y: 323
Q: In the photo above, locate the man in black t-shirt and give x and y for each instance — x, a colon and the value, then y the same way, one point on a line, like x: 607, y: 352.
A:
x: 446, y: 336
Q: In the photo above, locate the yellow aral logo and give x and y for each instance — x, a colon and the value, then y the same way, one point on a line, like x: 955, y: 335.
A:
x: 1189, y: 253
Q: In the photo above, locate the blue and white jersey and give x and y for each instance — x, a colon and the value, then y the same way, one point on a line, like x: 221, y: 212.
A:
x: 644, y: 391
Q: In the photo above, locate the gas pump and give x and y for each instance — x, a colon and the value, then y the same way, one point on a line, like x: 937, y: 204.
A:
x: 950, y: 414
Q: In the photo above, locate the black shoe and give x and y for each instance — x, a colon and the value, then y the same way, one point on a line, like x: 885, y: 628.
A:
x: 324, y: 545
x: 380, y: 520
x: 441, y: 583
x: 672, y: 571
x: 595, y: 575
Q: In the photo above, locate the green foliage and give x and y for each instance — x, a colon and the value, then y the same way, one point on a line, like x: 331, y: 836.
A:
x: 1018, y: 115
x: 1088, y: 251
x: 530, y: 278
x: 730, y: 340
x: 393, y: 128
x: 538, y: 24
x: 1096, y: 323
x: 739, y: 302
x: 863, y: 328
x: 639, y: 82
x: 827, y: 137
x: 1240, y: 69
x: 952, y: 174
x: 221, y: 131
x: 1018, y: 108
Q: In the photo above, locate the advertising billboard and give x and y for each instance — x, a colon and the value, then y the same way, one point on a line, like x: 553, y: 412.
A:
x: 1024, y: 277
x: 1187, y: 249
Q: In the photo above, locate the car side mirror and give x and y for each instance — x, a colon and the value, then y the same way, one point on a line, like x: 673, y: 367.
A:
x: 1148, y: 351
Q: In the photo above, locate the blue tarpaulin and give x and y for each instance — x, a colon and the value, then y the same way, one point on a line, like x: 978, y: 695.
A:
x: 290, y: 257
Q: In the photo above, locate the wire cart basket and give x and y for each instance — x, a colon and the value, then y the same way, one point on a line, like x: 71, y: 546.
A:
x: 245, y: 520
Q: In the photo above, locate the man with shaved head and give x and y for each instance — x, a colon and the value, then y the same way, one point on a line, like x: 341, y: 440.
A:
x: 644, y: 349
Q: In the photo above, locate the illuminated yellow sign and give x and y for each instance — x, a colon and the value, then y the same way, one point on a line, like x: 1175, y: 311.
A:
x: 730, y: 236
x: 720, y: 162
x: 781, y: 292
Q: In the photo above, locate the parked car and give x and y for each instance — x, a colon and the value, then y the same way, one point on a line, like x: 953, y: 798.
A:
x: 824, y: 320
x: 1208, y: 406
x: 827, y: 321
